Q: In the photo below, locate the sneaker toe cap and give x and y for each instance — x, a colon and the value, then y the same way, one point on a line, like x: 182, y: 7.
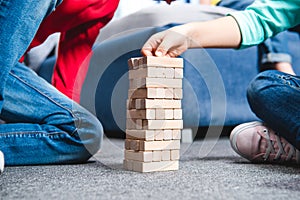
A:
x: 246, y: 144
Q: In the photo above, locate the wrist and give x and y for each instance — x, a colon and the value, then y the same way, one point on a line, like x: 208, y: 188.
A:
x: 193, y: 34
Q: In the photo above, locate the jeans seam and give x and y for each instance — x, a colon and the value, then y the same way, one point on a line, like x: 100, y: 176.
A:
x: 30, y: 132
x: 286, y: 82
x: 53, y: 101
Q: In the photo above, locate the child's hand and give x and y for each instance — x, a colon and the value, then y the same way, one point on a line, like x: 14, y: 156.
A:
x: 170, y: 43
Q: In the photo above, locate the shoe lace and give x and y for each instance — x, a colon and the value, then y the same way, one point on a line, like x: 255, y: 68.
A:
x: 281, y: 145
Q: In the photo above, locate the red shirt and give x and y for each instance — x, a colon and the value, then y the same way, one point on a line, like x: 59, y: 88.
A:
x: 79, y: 22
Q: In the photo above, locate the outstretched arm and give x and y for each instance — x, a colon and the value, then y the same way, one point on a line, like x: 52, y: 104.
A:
x: 222, y: 33
x: 261, y: 20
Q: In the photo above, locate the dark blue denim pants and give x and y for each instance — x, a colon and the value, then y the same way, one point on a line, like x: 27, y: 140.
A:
x: 274, y: 97
x: 42, y: 125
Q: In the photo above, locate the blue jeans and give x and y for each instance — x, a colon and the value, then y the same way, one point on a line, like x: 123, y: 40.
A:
x: 274, y: 49
x: 274, y: 97
x: 42, y: 125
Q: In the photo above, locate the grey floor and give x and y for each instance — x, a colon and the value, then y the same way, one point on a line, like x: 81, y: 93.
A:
x: 208, y: 170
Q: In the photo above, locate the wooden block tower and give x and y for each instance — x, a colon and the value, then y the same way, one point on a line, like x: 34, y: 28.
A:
x: 154, y: 114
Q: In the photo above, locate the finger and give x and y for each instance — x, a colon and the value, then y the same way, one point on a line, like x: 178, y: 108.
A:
x: 164, y: 47
x: 147, y: 51
x: 151, y: 44
x: 149, y: 48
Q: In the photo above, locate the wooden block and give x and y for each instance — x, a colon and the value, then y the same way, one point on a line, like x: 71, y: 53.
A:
x: 164, y: 113
x: 139, y: 124
x: 137, y: 93
x: 155, y: 93
x: 160, y: 92
x: 135, y: 145
x: 178, y: 73
x: 169, y: 114
x: 128, y: 165
x: 162, y: 82
x: 133, y: 62
x: 154, y: 72
x: 138, y: 73
x: 130, y: 103
x: 175, y: 154
x: 159, y: 135
x: 159, y: 145
x: 162, y: 62
x: 132, y: 144
x: 157, y: 103
x: 153, y: 124
x: 168, y: 134
x: 140, y: 104
x: 141, y: 61
x: 177, y: 93
x: 162, y: 103
x: 156, y: 156
x: 147, y: 135
x: 155, y: 166
x: 159, y: 113
x: 162, y: 124
x: 177, y: 113
x: 147, y: 93
x: 143, y: 156
x: 130, y: 123
x: 166, y: 155
x: 176, y: 135
x: 169, y: 73
x: 127, y: 144
x: 137, y: 83
x: 169, y: 93
x: 152, y: 93
x: 154, y: 83
x: 141, y: 114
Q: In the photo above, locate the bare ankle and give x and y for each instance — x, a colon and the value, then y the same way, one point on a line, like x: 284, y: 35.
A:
x: 284, y: 67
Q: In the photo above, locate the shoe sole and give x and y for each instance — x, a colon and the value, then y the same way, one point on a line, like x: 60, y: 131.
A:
x: 237, y: 130
x: 1, y: 162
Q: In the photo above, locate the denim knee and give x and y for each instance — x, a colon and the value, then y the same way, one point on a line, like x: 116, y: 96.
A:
x: 90, y: 133
x: 260, y: 91
x: 274, y: 97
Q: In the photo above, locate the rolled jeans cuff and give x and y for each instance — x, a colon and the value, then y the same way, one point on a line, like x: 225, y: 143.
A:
x: 276, y: 57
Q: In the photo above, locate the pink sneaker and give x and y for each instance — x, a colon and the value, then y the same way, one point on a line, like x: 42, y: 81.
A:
x: 258, y: 143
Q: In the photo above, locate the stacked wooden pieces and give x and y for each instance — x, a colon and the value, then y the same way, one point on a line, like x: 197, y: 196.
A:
x: 154, y: 114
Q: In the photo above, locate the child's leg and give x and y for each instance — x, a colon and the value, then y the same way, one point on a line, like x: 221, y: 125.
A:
x: 275, y: 98
x: 44, y: 126
x: 19, y: 22
x: 274, y: 54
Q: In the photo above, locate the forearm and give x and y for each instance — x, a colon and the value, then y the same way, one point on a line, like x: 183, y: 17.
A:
x: 220, y: 33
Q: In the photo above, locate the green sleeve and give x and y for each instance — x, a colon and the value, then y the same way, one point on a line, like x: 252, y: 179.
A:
x: 266, y: 18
